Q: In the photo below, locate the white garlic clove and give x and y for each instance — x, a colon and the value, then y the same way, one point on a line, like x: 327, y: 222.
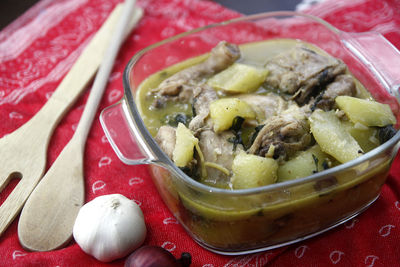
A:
x: 109, y: 227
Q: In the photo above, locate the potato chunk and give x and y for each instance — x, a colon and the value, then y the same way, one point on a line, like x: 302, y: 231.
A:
x: 366, y: 137
x: 304, y: 164
x: 253, y: 171
x: 332, y: 136
x: 223, y: 111
x: 369, y: 113
x: 238, y: 78
x: 184, y: 146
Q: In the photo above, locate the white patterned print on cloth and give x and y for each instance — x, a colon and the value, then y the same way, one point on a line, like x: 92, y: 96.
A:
x: 114, y: 95
x: 98, y: 185
x: 104, y: 161
x: 258, y: 259
x: 170, y: 220
x: 135, y: 181
x: 170, y: 246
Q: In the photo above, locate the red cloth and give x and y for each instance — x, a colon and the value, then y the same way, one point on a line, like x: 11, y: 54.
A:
x: 37, y: 50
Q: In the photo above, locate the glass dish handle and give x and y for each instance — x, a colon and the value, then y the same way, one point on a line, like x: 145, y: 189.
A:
x: 120, y: 132
x: 376, y: 52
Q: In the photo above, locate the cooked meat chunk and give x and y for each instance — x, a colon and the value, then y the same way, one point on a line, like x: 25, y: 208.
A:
x: 202, y: 97
x: 283, y: 135
x: 181, y: 84
x: 166, y: 138
x: 342, y: 85
x: 265, y: 106
x: 217, y: 149
x: 301, y: 72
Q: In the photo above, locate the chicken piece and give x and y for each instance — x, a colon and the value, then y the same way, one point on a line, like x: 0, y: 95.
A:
x: 217, y: 149
x: 265, y: 106
x: 302, y: 72
x: 202, y: 97
x: 166, y: 138
x: 181, y: 84
x: 283, y: 135
x: 342, y: 85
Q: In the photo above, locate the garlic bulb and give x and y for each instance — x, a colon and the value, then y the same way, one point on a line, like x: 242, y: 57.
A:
x: 109, y: 227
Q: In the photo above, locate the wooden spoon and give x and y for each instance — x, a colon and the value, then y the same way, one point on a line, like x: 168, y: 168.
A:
x: 49, y: 214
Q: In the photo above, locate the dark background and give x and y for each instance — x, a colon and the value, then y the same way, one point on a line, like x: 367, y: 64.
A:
x: 12, y: 9
x: 257, y: 6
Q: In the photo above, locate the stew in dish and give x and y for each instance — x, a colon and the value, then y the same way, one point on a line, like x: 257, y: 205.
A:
x: 261, y: 113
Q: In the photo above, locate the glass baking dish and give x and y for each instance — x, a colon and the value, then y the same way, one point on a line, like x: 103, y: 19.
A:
x: 251, y: 220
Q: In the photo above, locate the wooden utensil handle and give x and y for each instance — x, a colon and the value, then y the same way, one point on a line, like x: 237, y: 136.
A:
x: 80, y: 75
x: 104, y: 72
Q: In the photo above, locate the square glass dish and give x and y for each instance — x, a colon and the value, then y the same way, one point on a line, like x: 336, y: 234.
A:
x: 242, y: 221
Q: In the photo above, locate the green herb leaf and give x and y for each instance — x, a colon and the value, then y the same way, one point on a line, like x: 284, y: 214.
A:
x: 176, y: 118
x: 385, y: 133
x: 236, y: 140
x: 325, y: 165
x: 316, y: 163
x: 237, y: 123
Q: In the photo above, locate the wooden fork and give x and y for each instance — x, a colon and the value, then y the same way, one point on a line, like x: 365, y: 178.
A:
x: 23, y: 152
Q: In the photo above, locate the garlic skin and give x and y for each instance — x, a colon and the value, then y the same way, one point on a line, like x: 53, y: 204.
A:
x: 109, y: 227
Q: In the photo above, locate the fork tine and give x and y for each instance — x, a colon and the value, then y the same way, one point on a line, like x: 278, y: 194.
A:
x: 5, y: 175
x: 15, y: 201
x: 6, y: 179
